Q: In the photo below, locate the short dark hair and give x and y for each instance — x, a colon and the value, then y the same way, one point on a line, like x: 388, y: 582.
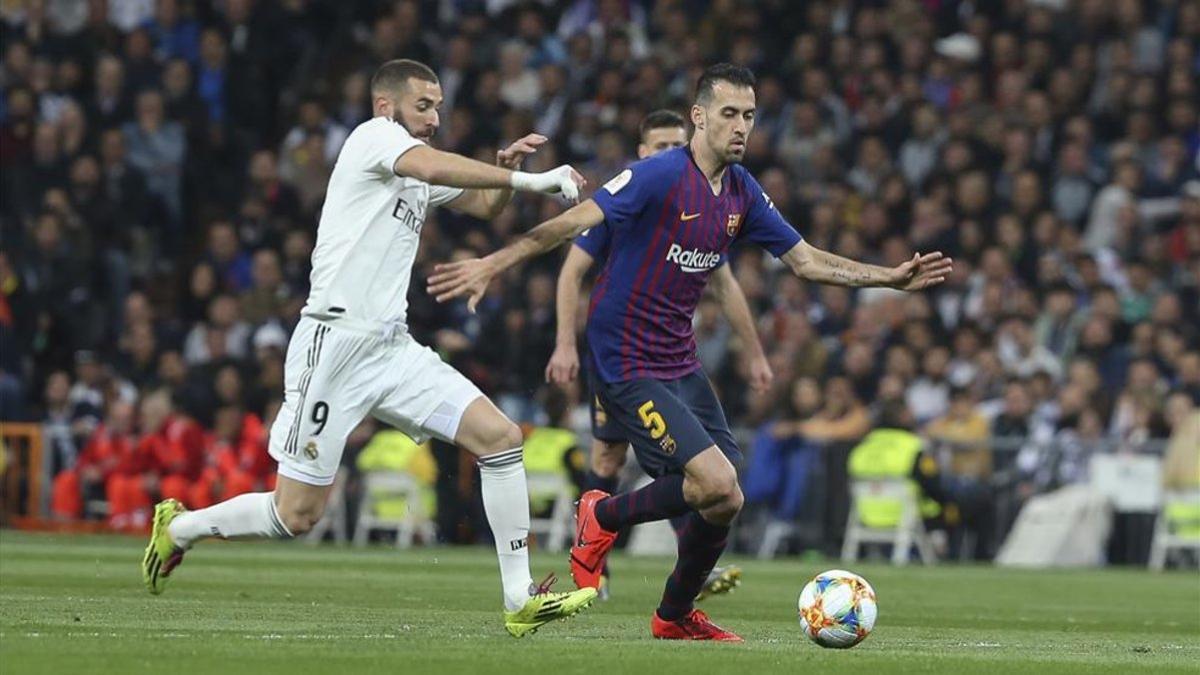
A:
x: 661, y: 119
x: 739, y: 76
x: 395, y: 74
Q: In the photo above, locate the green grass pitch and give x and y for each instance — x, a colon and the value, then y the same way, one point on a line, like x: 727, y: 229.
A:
x: 77, y: 605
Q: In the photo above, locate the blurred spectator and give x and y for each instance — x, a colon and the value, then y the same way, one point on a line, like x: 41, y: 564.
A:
x: 108, y: 461
x: 1181, y: 466
x: 223, y: 335
x: 170, y: 457
x: 143, y: 68
x: 1014, y: 422
x: 1057, y: 328
x: 279, y: 198
x: 230, y: 263
x: 157, y: 148
x: 1113, y: 211
x: 965, y: 433
x: 312, y: 119
x: 173, y: 34
x: 712, y: 335
x: 109, y: 105
x: 65, y: 426
x: 929, y: 395
x: 1020, y: 351
x: 781, y: 457
x: 841, y: 422
x: 236, y: 459
x: 1049, y: 467
x: 266, y: 298
x: 893, y: 451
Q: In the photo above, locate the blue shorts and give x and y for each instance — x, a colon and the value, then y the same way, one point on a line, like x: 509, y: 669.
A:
x: 603, y: 426
x: 668, y: 422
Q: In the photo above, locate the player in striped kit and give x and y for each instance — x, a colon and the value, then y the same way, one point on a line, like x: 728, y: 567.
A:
x: 660, y: 130
x: 674, y: 217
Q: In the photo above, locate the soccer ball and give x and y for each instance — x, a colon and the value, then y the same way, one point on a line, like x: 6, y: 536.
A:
x: 837, y: 609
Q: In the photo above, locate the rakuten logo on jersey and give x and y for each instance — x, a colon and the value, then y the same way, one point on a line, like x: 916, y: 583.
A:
x: 694, y: 260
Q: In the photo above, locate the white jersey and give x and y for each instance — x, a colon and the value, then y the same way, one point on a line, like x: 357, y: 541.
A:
x: 370, y: 229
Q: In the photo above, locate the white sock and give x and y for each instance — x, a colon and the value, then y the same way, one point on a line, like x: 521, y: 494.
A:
x: 506, y: 501
x: 248, y: 515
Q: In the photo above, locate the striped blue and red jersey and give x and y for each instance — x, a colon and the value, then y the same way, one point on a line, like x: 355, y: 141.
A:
x: 664, y: 232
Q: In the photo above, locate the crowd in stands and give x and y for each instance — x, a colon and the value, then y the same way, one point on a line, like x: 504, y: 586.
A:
x: 164, y: 162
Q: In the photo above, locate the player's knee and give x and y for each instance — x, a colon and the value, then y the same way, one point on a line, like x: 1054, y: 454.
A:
x: 498, y: 436
x: 720, y: 490
x: 512, y: 436
x: 728, y: 495
x: 505, y: 436
x: 725, y: 506
x: 734, y: 501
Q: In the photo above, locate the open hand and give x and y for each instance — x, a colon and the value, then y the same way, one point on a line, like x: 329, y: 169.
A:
x: 469, y: 278
x: 922, y: 271
x: 512, y: 156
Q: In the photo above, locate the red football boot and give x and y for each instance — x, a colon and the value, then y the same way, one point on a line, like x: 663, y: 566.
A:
x: 694, y: 626
x: 592, y: 542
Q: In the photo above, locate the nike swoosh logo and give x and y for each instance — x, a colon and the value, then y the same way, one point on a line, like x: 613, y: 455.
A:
x: 579, y: 540
x: 683, y: 216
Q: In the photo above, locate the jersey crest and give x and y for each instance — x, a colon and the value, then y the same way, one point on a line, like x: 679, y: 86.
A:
x: 733, y: 224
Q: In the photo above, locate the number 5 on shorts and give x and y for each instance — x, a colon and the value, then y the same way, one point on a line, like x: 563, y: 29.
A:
x: 652, y: 420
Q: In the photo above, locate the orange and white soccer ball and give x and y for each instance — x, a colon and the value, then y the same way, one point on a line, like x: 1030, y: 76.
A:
x: 837, y: 609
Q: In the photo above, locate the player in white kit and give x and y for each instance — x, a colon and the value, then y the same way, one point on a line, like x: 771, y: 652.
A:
x: 351, y: 355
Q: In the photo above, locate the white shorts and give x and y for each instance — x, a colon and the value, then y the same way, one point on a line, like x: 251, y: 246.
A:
x: 335, y: 375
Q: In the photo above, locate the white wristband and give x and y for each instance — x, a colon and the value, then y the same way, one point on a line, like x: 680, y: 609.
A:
x: 523, y: 180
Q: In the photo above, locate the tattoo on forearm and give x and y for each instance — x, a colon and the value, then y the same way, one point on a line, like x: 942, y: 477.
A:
x: 846, y: 271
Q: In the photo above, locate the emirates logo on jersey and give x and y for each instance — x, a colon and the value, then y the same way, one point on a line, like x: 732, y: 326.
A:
x: 412, y: 218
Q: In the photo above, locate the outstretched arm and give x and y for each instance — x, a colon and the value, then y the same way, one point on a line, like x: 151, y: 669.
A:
x: 922, y: 271
x: 451, y: 170
x: 488, y: 203
x: 470, y: 278
x: 564, y: 362
x: 737, y: 310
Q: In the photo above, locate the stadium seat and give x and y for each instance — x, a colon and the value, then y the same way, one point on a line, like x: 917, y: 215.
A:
x: 555, y: 528
x: 1177, y: 529
x: 908, y: 530
x: 775, y: 535
x: 414, y: 520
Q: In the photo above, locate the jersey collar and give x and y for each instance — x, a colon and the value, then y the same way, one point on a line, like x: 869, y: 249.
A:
x: 724, y: 178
